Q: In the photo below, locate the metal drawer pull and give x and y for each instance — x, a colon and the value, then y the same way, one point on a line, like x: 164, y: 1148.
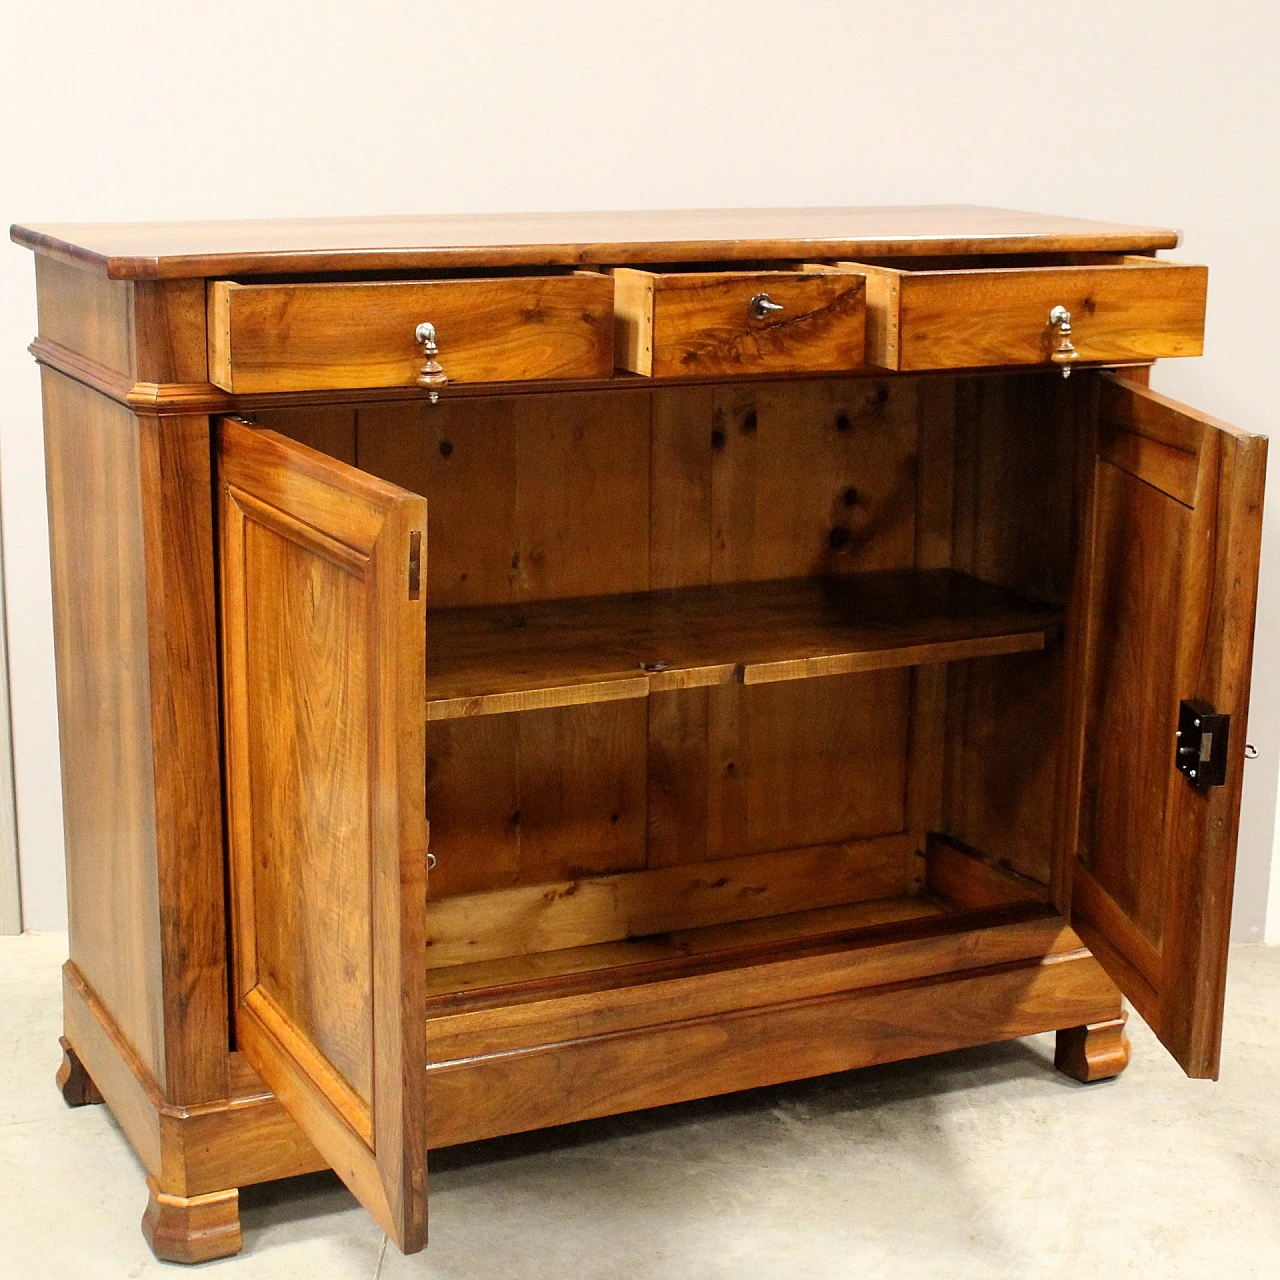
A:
x: 1064, y: 352
x: 431, y: 375
x: 431, y: 861
x: 761, y: 307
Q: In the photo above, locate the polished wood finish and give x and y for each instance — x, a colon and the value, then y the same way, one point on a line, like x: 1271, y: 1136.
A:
x: 673, y: 323
x: 509, y: 979
x: 490, y: 660
x: 708, y: 972
x: 192, y: 1228
x: 242, y: 1138
x: 776, y: 708
x: 1100, y: 1051
x: 1166, y: 611
x: 303, y: 337
x: 192, y: 249
x: 969, y: 879
x: 98, y: 567
x: 131, y: 553
x: 543, y: 917
x: 1132, y: 308
x: 73, y: 1081
x: 678, y: 1049
x: 323, y: 643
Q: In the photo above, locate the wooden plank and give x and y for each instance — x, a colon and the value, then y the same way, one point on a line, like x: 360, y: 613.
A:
x: 93, y: 472
x: 653, y: 1066
x: 1014, y: 525
x: 298, y: 336
x: 969, y: 880
x: 486, y: 926
x: 330, y: 429
x: 1141, y: 540
x: 813, y: 763
x: 536, y: 798
x: 582, y: 791
x: 633, y: 320
x: 537, y: 239
x: 177, y: 503
x: 84, y: 312
x: 679, y: 777
x: 812, y: 478
x: 614, y: 965
x: 680, y: 477
x: 794, y: 969
x: 1171, y: 470
x: 754, y: 633
x: 516, y: 487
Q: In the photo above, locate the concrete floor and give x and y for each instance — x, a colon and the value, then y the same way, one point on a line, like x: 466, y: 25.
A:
x: 966, y: 1166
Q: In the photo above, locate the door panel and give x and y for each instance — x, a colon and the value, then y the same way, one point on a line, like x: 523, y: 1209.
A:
x: 324, y: 642
x: 1164, y: 612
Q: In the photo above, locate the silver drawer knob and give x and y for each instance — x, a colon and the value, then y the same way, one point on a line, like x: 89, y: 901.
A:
x: 761, y: 307
x: 1064, y: 352
x: 431, y: 375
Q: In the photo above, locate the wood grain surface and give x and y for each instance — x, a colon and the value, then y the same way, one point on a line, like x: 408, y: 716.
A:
x: 159, y: 249
x: 761, y: 1036
x: 302, y: 337
x: 555, y: 653
x: 1136, y: 308
x: 1167, y: 610
x: 673, y: 323
x: 324, y: 646
x: 548, y: 917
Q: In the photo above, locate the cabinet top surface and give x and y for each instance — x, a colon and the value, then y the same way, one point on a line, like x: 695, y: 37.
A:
x: 156, y: 250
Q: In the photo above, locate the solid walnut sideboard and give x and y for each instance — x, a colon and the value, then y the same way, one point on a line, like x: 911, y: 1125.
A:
x: 794, y: 667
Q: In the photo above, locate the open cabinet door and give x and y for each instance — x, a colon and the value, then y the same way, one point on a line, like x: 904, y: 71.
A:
x: 1163, y: 614
x: 324, y: 643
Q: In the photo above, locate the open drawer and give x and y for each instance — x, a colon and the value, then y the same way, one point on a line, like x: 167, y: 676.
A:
x: 670, y: 324
x: 321, y: 336
x: 1113, y: 309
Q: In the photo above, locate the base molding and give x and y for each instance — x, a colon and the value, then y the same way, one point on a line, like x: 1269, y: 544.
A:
x: 521, y: 1088
x: 192, y: 1228
x: 191, y: 1151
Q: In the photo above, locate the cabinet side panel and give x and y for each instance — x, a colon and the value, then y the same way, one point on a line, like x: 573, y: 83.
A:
x: 98, y: 571
x: 1014, y: 486
x: 86, y: 313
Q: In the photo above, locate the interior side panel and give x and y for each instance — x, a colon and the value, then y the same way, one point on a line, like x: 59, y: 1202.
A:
x: 1015, y: 461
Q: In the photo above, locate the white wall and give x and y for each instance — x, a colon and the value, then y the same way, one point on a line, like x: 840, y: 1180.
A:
x: 1144, y: 112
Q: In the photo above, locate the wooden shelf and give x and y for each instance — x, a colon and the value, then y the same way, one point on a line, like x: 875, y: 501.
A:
x: 562, y: 652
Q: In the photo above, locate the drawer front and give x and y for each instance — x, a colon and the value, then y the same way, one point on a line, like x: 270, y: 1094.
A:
x: 738, y: 322
x: 318, y: 337
x: 1132, y: 309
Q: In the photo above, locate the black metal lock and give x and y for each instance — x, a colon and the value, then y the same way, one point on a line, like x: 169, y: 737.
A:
x: 1203, y: 737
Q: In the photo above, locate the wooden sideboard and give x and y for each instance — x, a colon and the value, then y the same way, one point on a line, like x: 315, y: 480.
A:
x: 780, y: 662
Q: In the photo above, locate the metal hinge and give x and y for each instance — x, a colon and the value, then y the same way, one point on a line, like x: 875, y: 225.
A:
x: 1202, y: 740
